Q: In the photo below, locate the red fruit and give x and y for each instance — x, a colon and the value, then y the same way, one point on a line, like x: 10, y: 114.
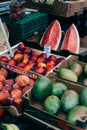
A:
x: 2, y: 78
x: 16, y: 93
x: 1, y: 113
x: 31, y: 84
x: 21, y: 64
x: 1, y: 86
x: 9, y: 82
x: 7, y: 88
x: 41, y: 65
x: 12, y: 62
x: 22, y: 80
x: 4, y: 95
x: 29, y: 66
x: 41, y: 59
x: 48, y: 68
x: 16, y: 86
x: 40, y: 70
x: 26, y: 89
x: 17, y: 52
x: 60, y: 60
x: 52, y: 57
x: 35, y: 53
x: 33, y: 58
x: 21, y: 46
x: 4, y: 58
x: 44, y: 55
x: 25, y: 59
x: 3, y: 72
x: 51, y: 63
x: 28, y: 50
x: 18, y: 57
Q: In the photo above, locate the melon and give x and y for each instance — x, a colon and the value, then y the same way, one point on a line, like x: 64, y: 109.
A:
x: 52, y: 35
x: 71, y: 41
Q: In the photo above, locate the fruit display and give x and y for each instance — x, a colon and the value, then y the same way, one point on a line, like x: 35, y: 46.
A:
x: 67, y: 102
x: 34, y: 60
x: 13, y: 87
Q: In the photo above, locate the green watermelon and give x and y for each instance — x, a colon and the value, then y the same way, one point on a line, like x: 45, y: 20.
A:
x: 52, y: 35
x: 83, y: 96
x: 71, y: 40
x: 41, y: 89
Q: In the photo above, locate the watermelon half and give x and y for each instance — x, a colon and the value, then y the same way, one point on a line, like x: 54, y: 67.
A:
x: 71, y: 40
x: 52, y: 35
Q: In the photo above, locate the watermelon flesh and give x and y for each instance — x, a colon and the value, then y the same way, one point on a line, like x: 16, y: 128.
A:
x: 71, y: 40
x: 52, y: 35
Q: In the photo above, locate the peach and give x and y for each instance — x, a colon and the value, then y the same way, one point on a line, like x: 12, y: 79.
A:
x: 33, y: 58
x: 18, y: 52
x: 12, y: 62
x: 21, y: 46
x: 7, y: 88
x: 3, y: 72
x: 51, y: 63
x: 29, y: 66
x: 31, y: 82
x: 21, y: 64
x: 9, y: 82
x: 35, y: 53
x: 41, y: 65
x: 41, y: 59
x: 44, y: 55
x: 18, y: 57
x: 22, y: 80
x: 25, y: 59
x: 40, y: 70
x: 2, y: 78
x: 28, y: 50
x: 25, y: 89
x: 53, y: 58
x: 1, y: 86
x: 16, y: 86
x: 4, y: 95
x: 16, y: 93
x: 4, y: 58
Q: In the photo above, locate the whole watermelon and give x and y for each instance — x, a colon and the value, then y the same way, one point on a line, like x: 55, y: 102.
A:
x: 41, y: 89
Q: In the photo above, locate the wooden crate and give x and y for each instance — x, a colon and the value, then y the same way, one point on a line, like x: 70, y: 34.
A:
x: 65, y: 8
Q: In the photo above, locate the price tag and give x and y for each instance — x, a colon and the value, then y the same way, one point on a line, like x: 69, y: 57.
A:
x: 47, y: 49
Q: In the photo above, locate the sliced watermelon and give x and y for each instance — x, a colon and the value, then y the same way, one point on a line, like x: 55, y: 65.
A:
x: 52, y: 35
x: 71, y: 40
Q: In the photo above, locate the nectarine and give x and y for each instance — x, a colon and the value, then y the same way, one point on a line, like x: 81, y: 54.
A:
x: 21, y: 46
x: 4, y: 95
x: 22, y: 80
x: 16, y: 93
x: 2, y: 78
x: 1, y: 86
x: 9, y: 82
x: 3, y: 72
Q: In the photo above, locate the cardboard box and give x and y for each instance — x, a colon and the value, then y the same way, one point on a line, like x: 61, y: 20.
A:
x: 67, y: 63
x: 34, y: 110
x: 61, y: 8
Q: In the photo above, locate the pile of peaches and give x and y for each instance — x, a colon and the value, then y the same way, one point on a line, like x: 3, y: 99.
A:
x: 13, y: 88
x: 33, y: 60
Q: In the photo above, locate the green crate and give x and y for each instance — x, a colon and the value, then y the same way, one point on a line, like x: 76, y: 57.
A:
x: 26, y: 27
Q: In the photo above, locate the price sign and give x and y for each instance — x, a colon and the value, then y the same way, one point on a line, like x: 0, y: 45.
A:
x: 47, y: 49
